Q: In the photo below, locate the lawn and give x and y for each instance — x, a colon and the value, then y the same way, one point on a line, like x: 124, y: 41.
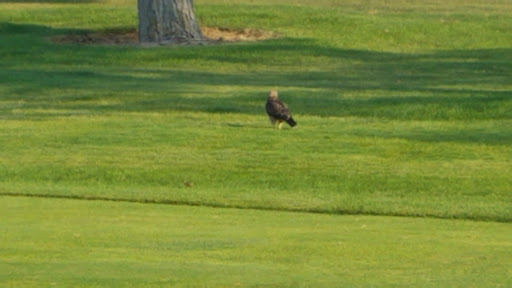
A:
x: 72, y: 243
x: 404, y: 109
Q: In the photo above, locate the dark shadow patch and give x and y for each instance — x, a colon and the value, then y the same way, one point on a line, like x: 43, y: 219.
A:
x: 52, y: 1
x: 443, y: 85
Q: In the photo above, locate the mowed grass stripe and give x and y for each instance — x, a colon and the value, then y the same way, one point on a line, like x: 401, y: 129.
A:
x: 327, y: 165
x: 60, y: 242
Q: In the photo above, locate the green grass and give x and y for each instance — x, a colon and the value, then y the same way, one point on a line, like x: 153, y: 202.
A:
x: 351, y: 168
x: 69, y: 243
x: 404, y: 109
x: 381, y: 132
x: 397, y: 129
x: 411, y: 120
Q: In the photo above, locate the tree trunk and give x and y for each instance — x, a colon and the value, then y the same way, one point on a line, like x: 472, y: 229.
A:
x: 167, y: 22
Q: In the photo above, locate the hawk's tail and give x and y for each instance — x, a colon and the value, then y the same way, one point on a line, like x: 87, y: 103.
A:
x: 291, y: 122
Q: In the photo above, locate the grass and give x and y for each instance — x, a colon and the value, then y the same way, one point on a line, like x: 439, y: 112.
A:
x: 55, y: 242
x: 403, y: 110
x: 393, y: 130
x: 386, y: 132
x: 333, y: 174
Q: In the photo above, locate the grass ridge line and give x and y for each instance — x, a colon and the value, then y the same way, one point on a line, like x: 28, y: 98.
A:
x: 260, y: 208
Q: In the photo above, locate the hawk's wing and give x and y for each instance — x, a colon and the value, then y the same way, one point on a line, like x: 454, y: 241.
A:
x: 277, y: 109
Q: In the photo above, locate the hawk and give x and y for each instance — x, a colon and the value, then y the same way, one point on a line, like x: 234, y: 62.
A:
x: 277, y: 111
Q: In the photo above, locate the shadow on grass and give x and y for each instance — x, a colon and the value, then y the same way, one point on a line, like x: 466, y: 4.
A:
x: 52, y: 1
x: 443, y: 85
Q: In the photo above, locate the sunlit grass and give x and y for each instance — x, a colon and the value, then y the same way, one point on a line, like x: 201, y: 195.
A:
x: 403, y: 110
x: 397, y: 114
x: 53, y: 242
x: 327, y: 165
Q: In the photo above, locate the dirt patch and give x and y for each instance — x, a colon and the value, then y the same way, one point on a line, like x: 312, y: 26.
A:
x: 213, y: 35
x: 234, y: 35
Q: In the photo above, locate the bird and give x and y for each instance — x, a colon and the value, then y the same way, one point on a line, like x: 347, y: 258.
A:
x: 277, y: 111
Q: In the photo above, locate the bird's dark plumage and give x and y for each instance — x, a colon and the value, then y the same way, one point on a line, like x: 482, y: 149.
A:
x: 277, y: 111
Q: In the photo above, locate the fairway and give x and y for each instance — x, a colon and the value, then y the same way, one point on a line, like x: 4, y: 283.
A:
x: 127, y: 165
x: 50, y: 242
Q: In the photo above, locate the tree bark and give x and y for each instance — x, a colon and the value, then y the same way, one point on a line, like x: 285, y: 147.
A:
x: 167, y: 22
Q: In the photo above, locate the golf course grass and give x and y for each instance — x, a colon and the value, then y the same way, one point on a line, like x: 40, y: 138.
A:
x: 399, y: 172
x: 71, y: 243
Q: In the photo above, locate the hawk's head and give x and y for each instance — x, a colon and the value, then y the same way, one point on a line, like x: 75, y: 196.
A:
x: 272, y: 94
